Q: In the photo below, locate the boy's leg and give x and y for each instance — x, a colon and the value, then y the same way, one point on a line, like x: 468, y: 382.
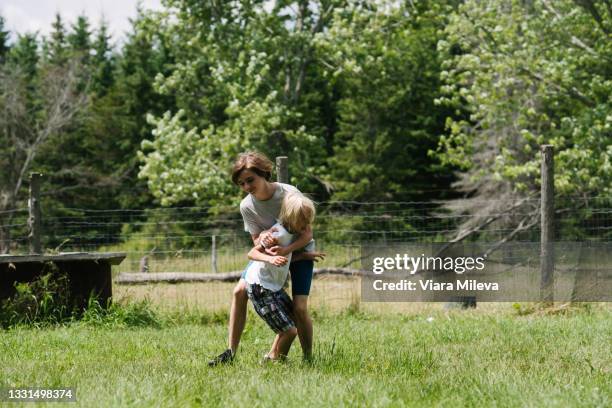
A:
x: 236, y: 324
x: 275, y: 308
x: 301, y: 281
x: 303, y: 323
x: 275, y: 342
x: 238, y: 314
x: 282, y: 344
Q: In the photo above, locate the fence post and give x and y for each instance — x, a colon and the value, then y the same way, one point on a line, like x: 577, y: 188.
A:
x: 34, y: 221
x: 282, y: 169
x: 214, y: 254
x: 144, y: 264
x: 547, y: 208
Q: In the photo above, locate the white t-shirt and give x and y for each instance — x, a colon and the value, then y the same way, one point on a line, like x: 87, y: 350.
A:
x: 267, y: 275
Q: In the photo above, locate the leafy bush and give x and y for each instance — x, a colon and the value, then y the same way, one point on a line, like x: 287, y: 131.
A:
x: 47, y: 300
x: 130, y: 314
x: 42, y: 301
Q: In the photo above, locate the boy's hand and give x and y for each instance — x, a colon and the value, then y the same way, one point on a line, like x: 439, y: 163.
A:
x: 314, y: 256
x: 311, y: 256
x: 277, y: 250
x: 278, y: 260
x: 267, y: 239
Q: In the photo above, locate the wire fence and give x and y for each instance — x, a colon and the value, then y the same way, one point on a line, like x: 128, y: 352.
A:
x: 181, y: 239
x: 187, y: 232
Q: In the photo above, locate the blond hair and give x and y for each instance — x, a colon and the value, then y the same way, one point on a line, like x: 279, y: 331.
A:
x: 297, y: 211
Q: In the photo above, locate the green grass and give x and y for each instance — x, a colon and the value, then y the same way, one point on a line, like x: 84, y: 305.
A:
x: 464, y: 358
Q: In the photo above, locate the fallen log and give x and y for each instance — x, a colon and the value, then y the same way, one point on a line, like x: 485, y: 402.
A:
x: 181, y: 277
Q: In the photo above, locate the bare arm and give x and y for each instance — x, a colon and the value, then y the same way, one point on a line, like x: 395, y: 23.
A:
x: 257, y: 254
x: 304, y: 238
x: 308, y: 256
x: 301, y: 242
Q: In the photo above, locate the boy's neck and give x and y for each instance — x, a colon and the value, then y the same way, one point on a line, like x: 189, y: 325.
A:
x: 268, y: 193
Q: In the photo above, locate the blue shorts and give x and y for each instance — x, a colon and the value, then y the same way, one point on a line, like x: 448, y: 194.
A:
x: 301, y: 276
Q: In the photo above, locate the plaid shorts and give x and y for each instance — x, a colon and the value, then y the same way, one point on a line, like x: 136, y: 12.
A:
x: 276, y: 308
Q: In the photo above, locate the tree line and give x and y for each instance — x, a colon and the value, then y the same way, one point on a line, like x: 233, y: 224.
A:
x: 371, y: 100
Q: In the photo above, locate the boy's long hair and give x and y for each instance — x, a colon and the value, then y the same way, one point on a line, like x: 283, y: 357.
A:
x: 257, y: 162
x: 297, y: 210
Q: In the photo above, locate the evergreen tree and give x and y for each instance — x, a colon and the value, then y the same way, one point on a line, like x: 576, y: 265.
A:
x: 57, y: 44
x: 113, y: 125
x: 388, y: 75
x: 24, y: 58
x: 79, y: 39
x: 102, y: 61
x: 4, y: 38
x: 24, y: 54
x: 121, y: 91
x: 145, y: 54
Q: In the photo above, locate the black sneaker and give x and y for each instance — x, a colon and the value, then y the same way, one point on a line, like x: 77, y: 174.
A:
x: 224, y: 358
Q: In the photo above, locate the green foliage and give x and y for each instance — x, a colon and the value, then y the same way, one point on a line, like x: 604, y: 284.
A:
x: 4, y: 41
x: 37, y: 102
x: 238, y: 78
x: 387, y: 70
x: 93, y: 164
x: 102, y: 62
x: 142, y: 313
x: 88, y: 155
x: 325, y: 83
x: 356, y: 93
x: 46, y: 300
x: 57, y: 44
x: 530, y: 73
x: 126, y: 314
x: 79, y: 38
x: 178, y: 230
x: 123, y: 110
x: 24, y: 54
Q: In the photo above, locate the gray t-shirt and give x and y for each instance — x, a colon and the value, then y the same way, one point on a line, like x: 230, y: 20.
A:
x: 260, y: 215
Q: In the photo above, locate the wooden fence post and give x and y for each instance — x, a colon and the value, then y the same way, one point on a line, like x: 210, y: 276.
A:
x: 547, y: 207
x: 144, y: 264
x: 34, y: 221
x: 282, y: 169
x: 214, y: 254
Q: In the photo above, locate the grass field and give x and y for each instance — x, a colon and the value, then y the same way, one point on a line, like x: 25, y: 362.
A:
x: 228, y: 259
x: 331, y: 292
x: 152, y: 356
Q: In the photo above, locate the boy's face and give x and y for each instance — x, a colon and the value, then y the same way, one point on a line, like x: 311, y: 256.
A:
x: 250, y: 182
